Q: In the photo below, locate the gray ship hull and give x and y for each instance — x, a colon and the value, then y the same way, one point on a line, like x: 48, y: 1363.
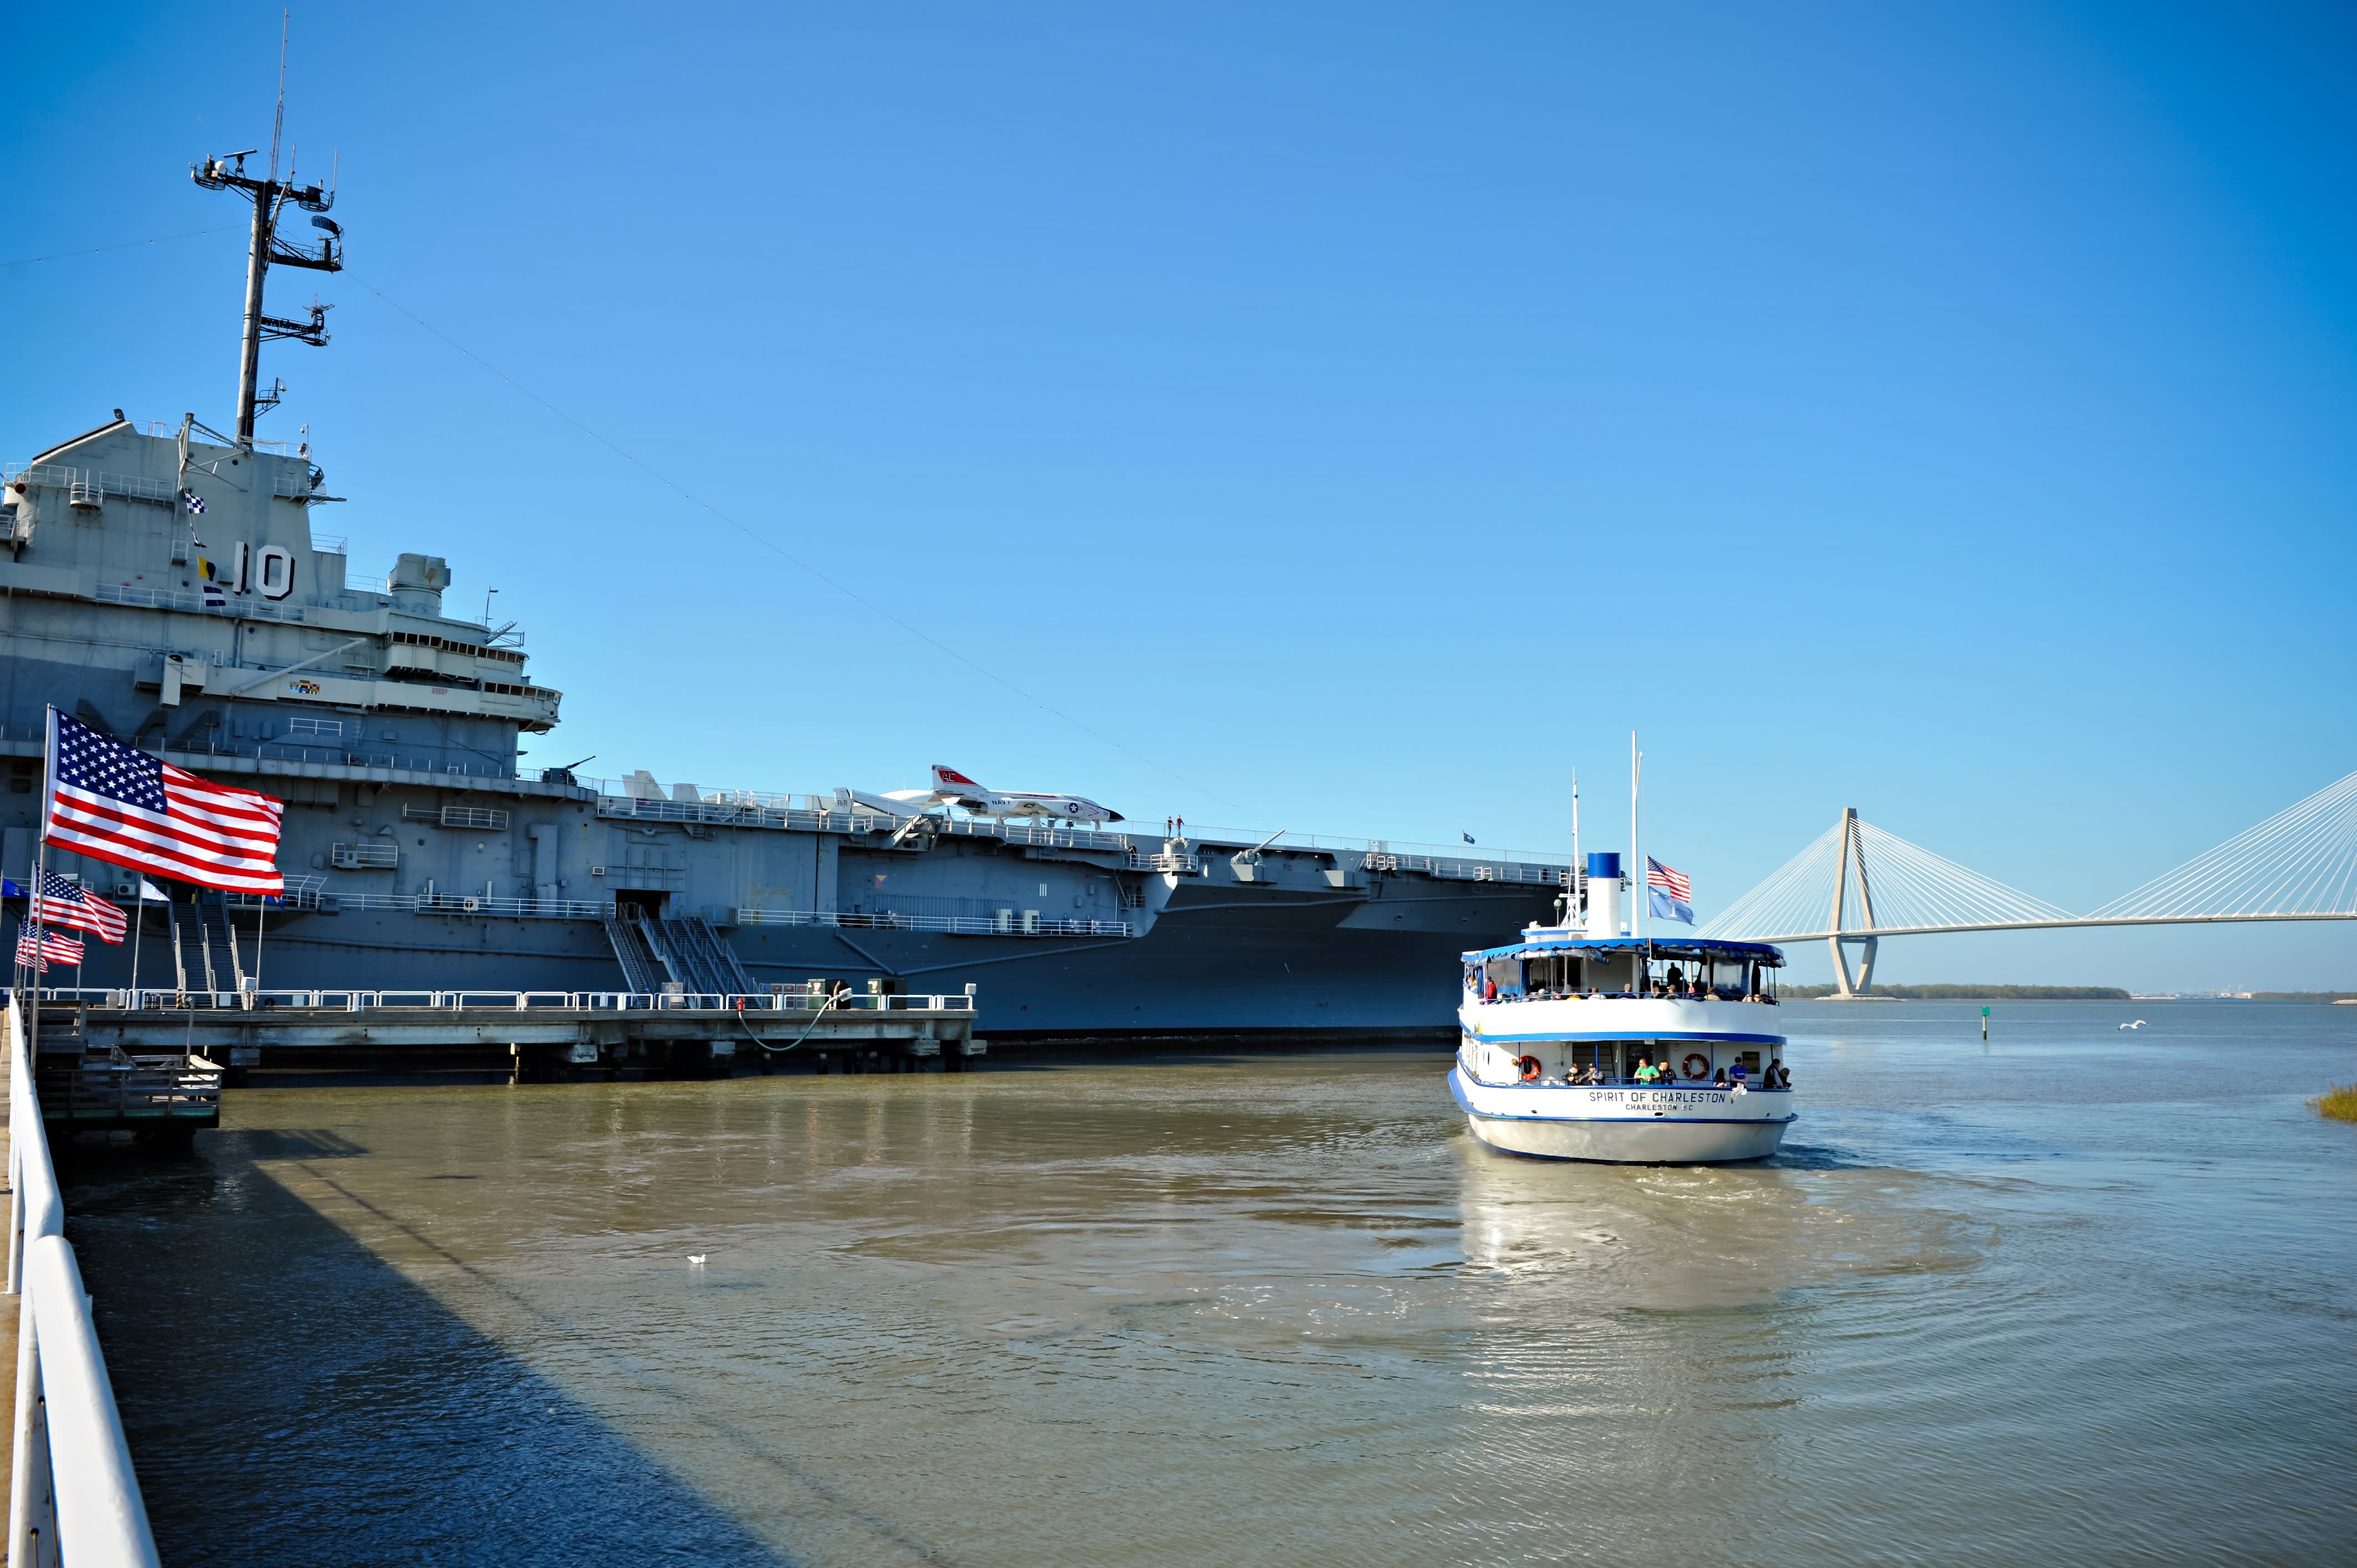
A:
x: 420, y: 855
x: 1272, y: 969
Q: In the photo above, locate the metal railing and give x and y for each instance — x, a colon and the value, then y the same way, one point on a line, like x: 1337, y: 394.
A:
x: 471, y: 904
x: 820, y: 814
x: 1005, y: 923
x: 241, y: 606
x: 73, y: 1496
x: 127, y: 485
x: 780, y: 999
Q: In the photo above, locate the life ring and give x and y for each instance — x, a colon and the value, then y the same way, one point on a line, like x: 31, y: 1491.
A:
x: 1531, y: 1068
x: 1697, y: 1065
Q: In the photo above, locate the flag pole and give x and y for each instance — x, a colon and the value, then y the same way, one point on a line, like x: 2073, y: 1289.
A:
x: 139, y: 928
x: 40, y: 869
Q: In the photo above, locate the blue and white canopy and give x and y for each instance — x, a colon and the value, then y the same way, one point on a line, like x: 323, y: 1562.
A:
x: 1653, y: 947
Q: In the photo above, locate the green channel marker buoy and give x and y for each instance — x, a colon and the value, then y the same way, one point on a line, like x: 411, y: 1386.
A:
x: 1984, y: 1025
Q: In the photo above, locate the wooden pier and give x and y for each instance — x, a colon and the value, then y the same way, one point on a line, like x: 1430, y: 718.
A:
x: 533, y: 1037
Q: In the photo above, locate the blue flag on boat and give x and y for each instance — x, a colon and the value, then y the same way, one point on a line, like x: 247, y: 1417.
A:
x: 1669, y: 892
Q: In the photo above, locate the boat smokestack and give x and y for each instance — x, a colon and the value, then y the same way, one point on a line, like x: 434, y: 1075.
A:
x: 1604, y: 894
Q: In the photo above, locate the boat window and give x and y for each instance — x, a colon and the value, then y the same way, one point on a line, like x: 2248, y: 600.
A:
x: 1751, y: 1060
x: 1554, y: 973
x: 1601, y: 1055
x: 1506, y: 974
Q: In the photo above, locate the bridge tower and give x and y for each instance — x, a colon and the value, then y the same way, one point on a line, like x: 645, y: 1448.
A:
x: 1853, y: 856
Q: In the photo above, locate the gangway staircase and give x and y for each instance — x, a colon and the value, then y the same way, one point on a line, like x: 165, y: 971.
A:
x: 700, y: 957
x: 643, y: 970
x: 682, y: 951
x: 205, y: 959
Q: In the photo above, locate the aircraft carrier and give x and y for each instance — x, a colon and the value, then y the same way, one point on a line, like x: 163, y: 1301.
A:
x: 163, y: 582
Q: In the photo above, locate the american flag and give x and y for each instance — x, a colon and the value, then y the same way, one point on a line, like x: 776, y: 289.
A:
x: 38, y: 949
x: 58, y: 902
x: 1669, y: 894
x: 123, y: 806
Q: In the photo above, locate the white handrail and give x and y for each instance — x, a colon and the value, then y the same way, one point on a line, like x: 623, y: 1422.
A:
x: 101, y: 1518
x: 72, y: 1479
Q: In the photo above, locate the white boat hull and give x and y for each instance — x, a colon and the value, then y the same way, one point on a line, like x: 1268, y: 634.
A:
x: 1624, y: 1125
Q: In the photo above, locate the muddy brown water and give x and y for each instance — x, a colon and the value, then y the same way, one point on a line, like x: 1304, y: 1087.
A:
x: 2087, y: 1296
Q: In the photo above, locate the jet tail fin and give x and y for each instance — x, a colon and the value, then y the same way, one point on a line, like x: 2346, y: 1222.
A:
x: 950, y: 778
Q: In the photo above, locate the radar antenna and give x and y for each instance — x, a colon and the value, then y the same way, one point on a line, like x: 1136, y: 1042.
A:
x: 270, y: 196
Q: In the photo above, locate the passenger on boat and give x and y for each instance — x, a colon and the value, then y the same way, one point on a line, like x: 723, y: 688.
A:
x: 1646, y: 1071
x: 1738, y: 1074
x: 1719, y: 1078
x: 1779, y: 1075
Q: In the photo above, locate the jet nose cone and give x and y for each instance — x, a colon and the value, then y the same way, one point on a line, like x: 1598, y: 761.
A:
x: 1115, y: 817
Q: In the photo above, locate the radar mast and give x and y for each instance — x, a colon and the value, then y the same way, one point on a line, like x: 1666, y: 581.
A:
x: 271, y: 197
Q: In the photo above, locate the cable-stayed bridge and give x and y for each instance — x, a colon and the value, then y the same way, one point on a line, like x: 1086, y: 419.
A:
x: 1857, y: 883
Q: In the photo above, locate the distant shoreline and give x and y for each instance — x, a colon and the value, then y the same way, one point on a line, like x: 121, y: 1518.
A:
x: 1970, y: 993
x: 1976, y: 992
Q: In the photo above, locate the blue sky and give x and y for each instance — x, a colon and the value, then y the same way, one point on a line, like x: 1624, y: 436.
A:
x: 1345, y: 419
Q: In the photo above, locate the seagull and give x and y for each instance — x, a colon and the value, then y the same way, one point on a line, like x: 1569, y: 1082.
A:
x: 696, y: 1259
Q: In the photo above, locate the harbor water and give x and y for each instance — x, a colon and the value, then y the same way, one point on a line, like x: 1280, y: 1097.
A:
x: 2083, y: 1295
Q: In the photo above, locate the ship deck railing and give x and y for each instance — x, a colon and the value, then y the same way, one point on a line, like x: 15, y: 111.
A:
x: 1630, y: 1083
x: 785, y: 999
x: 818, y: 814
x: 1511, y: 998
x: 1005, y: 923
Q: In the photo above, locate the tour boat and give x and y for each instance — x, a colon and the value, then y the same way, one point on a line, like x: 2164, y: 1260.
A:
x: 1555, y: 1029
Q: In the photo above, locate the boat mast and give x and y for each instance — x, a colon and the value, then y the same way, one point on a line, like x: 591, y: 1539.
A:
x: 1636, y: 849
x: 270, y: 196
x: 1577, y: 916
